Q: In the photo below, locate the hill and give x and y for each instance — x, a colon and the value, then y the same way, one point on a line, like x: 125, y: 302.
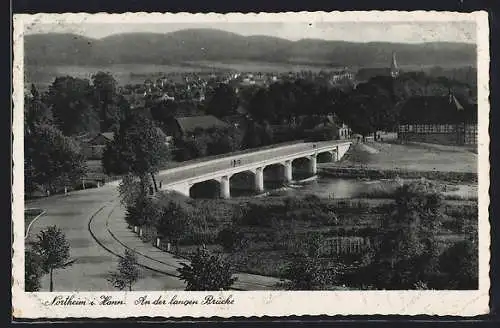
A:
x: 216, y: 45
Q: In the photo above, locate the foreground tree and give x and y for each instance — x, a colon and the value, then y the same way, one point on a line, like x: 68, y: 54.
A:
x: 207, y: 272
x: 173, y: 222
x: 32, y: 270
x: 127, y: 272
x: 35, y: 110
x: 139, y: 148
x: 54, y: 251
x: 143, y: 211
x: 70, y: 100
x: 52, y: 159
x: 306, y: 271
x: 408, y: 248
x: 459, y: 265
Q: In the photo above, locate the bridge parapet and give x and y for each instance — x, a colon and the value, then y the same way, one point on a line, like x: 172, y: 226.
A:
x: 181, y: 180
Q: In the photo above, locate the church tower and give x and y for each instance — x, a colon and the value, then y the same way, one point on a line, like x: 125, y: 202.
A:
x: 394, y: 66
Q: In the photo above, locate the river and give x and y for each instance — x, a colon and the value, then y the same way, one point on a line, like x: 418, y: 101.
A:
x: 326, y: 187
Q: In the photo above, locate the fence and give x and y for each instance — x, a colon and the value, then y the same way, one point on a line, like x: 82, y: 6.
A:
x: 341, y: 245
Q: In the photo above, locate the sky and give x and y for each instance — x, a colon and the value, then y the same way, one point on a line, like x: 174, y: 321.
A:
x: 414, y: 32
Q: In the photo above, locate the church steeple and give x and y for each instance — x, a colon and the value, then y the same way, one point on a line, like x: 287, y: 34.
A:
x: 394, y: 66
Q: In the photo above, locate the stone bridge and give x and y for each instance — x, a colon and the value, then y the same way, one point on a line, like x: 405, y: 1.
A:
x: 253, y: 169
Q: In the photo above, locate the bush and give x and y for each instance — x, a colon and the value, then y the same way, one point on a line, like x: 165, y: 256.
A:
x: 131, y: 188
x: 144, y: 211
x: 459, y: 265
x: 207, y: 272
x: 230, y: 239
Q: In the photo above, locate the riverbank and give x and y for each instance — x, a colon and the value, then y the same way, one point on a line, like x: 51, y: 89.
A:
x: 377, y: 174
x: 386, y: 156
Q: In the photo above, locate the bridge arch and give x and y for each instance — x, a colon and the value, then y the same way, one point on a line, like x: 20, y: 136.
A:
x: 327, y: 156
x: 205, y: 189
x: 242, y: 183
x: 301, y: 168
x: 274, y: 175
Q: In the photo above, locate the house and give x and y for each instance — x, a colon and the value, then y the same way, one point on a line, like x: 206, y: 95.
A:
x: 95, y: 147
x: 329, y: 129
x: 186, y: 126
x: 438, y: 119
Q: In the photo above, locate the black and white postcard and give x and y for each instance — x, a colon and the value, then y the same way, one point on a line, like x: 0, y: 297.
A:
x: 201, y: 165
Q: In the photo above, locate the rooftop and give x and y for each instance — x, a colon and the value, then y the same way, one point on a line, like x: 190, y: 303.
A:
x: 191, y: 123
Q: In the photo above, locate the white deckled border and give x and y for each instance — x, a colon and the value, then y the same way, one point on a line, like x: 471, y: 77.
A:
x: 279, y: 303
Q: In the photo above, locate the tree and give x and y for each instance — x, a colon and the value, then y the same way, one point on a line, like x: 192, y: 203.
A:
x: 408, y: 253
x: 70, y: 100
x: 143, y: 211
x: 223, y: 101
x: 261, y: 107
x: 173, y: 223
x: 35, y: 113
x: 223, y: 141
x: 207, y: 272
x: 231, y: 239
x: 52, y: 159
x: 35, y: 110
x: 32, y: 270
x: 54, y: 250
x: 306, y: 270
x: 127, y: 272
x: 459, y: 265
x: 138, y: 148
x: 105, y: 99
x: 131, y: 188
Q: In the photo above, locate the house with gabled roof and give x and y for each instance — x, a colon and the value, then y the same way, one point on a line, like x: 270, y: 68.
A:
x: 438, y: 119
x: 186, y: 126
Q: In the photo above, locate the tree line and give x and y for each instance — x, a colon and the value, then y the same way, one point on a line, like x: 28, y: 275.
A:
x: 57, y: 121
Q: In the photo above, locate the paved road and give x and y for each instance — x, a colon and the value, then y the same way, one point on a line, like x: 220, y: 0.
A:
x: 93, y: 261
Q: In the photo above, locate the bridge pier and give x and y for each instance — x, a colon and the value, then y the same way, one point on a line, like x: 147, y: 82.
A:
x: 225, y: 191
x: 259, y: 179
x: 288, y: 171
x: 313, y: 167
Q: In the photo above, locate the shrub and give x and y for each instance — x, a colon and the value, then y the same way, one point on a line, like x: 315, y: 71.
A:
x: 230, y: 239
x: 144, y: 211
x: 207, y: 272
x: 459, y: 265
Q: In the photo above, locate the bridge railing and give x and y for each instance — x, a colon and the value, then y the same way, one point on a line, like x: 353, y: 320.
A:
x: 236, y: 153
x: 198, y: 173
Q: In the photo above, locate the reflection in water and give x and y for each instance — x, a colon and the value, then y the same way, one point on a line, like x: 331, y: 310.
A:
x: 352, y: 188
x: 322, y: 187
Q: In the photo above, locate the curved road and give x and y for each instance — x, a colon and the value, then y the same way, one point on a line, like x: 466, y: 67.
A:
x: 94, y: 261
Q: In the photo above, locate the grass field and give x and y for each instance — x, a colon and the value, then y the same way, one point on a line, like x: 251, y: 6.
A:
x: 411, y: 157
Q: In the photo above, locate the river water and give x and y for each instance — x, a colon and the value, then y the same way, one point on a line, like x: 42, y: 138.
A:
x: 326, y: 187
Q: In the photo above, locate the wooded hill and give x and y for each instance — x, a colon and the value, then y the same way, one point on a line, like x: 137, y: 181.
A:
x: 216, y: 45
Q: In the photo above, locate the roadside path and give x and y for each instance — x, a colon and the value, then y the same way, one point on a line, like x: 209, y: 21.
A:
x: 94, y: 225
x: 92, y: 262
x: 154, y: 258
